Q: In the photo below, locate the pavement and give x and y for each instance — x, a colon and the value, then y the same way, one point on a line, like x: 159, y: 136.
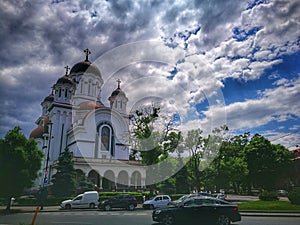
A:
x: 231, y: 198
x: 32, y: 209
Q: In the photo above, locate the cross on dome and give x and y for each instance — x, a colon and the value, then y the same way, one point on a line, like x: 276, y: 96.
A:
x: 67, y: 69
x: 87, y: 53
x: 119, y: 82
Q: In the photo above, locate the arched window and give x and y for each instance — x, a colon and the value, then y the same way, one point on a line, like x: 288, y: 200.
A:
x: 105, y: 137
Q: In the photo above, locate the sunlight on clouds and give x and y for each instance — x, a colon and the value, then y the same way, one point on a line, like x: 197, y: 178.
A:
x: 207, y: 42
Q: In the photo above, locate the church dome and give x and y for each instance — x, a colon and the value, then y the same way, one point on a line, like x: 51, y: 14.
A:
x: 37, y: 132
x: 49, y: 98
x: 116, y: 92
x: 65, y: 80
x: 41, y: 129
x: 85, y: 66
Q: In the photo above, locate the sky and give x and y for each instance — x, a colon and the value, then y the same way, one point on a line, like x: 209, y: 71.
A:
x: 210, y: 62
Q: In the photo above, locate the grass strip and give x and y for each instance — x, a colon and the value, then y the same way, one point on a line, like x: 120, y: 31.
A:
x: 269, y: 205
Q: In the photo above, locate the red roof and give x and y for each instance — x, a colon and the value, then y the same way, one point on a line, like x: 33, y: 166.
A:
x: 88, y: 106
x: 296, y: 153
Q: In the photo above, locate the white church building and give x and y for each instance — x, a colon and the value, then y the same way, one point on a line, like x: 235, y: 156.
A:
x: 74, y: 117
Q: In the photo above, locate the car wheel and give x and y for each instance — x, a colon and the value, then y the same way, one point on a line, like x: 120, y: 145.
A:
x: 68, y: 206
x: 92, y: 205
x: 168, y: 219
x: 131, y: 207
x: 107, y: 208
x: 223, y: 220
x: 151, y: 206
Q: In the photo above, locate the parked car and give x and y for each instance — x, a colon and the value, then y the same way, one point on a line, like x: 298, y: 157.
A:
x: 88, y: 199
x: 204, y: 193
x: 184, y: 197
x: 198, y: 210
x: 282, y: 193
x: 125, y: 201
x: 219, y: 196
x: 158, y: 201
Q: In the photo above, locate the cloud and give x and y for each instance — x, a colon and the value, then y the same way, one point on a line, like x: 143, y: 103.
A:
x: 206, y: 41
x: 275, y: 104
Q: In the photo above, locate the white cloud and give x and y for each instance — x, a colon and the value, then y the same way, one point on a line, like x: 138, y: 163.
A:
x: 39, y: 38
x: 274, y: 105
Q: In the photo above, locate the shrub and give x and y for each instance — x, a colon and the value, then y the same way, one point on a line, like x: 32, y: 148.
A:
x: 268, y: 196
x: 294, y: 196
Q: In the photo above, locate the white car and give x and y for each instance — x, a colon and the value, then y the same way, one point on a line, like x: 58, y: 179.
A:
x: 88, y: 199
x: 158, y: 201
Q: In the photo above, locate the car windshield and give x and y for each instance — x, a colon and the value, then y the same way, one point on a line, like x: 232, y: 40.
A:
x: 152, y: 198
x: 183, y: 197
x: 79, y: 197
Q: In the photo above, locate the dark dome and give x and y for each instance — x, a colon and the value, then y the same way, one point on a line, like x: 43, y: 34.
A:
x: 49, y: 98
x: 116, y: 92
x: 64, y: 80
x: 85, y: 66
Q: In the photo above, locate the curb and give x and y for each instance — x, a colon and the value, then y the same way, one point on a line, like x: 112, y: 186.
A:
x: 270, y: 214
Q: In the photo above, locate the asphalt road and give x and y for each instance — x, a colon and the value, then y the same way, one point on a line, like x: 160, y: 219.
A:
x: 138, y: 217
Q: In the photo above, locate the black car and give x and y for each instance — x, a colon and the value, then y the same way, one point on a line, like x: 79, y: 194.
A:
x: 198, y: 210
x: 184, y: 197
x: 125, y: 201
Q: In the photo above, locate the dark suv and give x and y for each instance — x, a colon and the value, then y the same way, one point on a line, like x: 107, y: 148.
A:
x: 125, y: 201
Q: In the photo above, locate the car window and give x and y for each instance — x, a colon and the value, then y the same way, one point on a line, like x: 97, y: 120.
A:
x: 158, y: 198
x: 192, y: 202
x: 118, y: 197
x: 207, y: 201
x: 166, y: 198
x: 78, y: 198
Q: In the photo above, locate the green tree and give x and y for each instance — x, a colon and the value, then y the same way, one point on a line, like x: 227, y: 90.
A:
x: 20, y: 161
x: 194, y: 143
x: 64, y: 183
x: 84, y: 185
x: 266, y: 162
x: 229, y: 167
x: 182, y: 181
x: 153, y: 137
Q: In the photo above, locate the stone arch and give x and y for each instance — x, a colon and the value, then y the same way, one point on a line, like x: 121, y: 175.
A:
x: 123, y: 180
x: 79, y: 175
x: 94, y: 177
x: 108, y: 181
x: 136, y: 180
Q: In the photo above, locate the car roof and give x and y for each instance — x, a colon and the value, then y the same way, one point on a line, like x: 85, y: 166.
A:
x: 205, y: 197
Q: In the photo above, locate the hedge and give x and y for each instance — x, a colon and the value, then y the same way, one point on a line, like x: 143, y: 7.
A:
x: 268, y: 196
x: 294, y: 196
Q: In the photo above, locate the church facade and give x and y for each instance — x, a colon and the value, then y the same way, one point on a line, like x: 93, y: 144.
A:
x: 74, y: 117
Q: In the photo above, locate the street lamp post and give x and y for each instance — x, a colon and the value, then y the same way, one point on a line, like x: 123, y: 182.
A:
x: 43, y: 194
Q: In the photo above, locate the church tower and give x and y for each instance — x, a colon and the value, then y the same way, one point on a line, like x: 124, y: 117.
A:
x: 118, y: 100
x: 88, y: 81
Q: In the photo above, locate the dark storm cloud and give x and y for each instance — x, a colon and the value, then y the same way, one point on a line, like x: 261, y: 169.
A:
x: 38, y: 38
